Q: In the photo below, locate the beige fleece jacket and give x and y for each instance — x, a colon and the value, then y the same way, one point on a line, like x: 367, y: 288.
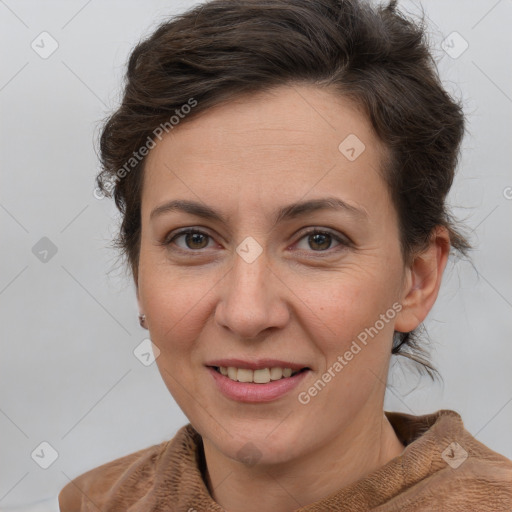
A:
x: 442, y: 468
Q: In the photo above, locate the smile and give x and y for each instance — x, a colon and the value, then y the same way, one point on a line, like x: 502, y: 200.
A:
x: 261, y: 376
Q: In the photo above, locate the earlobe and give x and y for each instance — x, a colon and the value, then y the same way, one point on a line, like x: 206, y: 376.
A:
x: 423, y: 281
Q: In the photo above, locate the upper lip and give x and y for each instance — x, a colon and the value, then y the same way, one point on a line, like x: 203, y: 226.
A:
x: 256, y: 364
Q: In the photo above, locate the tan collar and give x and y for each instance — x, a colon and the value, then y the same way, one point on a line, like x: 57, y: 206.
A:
x: 432, y: 473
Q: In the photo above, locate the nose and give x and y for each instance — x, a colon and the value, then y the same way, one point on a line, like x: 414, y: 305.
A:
x: 252, y: 299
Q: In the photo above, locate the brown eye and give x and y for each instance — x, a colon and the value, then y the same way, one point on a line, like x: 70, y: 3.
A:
x: 321, y: 241
x: 194, y: 240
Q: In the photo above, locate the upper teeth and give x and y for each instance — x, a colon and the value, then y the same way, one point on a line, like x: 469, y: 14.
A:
x: 258, y: 376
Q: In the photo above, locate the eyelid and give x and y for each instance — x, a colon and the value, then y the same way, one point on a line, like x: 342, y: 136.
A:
x: 311, y: 230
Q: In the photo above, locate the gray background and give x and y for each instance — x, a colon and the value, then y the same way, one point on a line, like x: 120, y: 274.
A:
x: 69, y: 324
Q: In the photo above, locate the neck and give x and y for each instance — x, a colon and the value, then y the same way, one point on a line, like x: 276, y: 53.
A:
x: 360, y: 448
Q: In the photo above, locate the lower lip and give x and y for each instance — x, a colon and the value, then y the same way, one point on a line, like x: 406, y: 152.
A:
x: 253, y: 393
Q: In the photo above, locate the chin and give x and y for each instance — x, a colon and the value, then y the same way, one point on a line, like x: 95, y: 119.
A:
x: 255, y: 454
x: 262, y: 446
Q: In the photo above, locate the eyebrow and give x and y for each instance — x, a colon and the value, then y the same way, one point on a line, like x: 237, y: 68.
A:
x: 288, y: 212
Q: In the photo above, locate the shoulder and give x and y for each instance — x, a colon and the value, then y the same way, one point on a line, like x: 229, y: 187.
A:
x: 97, y: 485
x: 446, y: 431
x: 454, y: 470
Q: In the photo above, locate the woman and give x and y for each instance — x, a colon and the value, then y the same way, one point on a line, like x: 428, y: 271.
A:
x: 282, y: 168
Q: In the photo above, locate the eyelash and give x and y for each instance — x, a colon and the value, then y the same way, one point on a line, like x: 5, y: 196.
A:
x: 344, y: 243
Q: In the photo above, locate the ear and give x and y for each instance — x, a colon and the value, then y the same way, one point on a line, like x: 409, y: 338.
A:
x: 142, y: 315
x: 139, y: 302
x: 423, y: 280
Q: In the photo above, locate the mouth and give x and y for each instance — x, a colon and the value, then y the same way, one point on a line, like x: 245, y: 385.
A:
x: 256, y: 385
x: 259, y: 376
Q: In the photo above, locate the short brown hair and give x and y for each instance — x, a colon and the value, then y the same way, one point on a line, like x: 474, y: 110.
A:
x: 222, y: 49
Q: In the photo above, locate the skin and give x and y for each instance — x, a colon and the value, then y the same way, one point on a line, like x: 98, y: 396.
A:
x: 303, y: 300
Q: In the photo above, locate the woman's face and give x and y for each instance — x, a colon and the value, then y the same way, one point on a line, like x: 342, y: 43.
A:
x: 254, y: 285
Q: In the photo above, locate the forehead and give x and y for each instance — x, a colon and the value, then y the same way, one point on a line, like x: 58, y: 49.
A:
x: 278, y: 143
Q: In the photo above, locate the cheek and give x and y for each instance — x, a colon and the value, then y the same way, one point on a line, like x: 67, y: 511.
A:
x: 347, y: 305
x: 175, y: 305
x: 176, y: 314
x: 355, y: 343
